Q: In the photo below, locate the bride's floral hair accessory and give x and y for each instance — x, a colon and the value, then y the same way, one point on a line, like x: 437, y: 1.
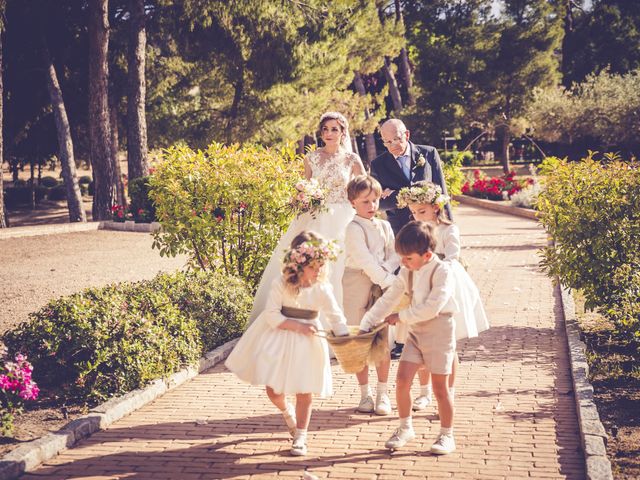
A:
x: 422, y: 192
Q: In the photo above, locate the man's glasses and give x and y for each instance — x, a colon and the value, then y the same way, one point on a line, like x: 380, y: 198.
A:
x: 394, y: 140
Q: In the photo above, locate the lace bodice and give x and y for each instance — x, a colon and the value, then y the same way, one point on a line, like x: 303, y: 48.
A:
x: 333, y: 172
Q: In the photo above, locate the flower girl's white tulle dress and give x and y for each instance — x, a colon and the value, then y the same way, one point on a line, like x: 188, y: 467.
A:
x: 284, y: 360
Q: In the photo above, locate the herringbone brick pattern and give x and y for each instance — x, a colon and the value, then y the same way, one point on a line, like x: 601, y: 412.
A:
x: 515, y: 408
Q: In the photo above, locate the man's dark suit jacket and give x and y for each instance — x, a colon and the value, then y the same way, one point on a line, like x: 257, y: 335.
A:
x: 386, y: 170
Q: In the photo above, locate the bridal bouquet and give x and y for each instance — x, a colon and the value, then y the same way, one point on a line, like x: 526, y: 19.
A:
x: 308, y: 197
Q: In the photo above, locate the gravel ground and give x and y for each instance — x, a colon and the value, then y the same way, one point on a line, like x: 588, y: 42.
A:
x: 34, y: 270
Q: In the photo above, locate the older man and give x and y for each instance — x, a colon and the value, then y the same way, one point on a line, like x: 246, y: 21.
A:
x: 404, y: 164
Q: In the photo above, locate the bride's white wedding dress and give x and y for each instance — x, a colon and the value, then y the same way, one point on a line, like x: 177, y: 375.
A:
x: 333, y: 172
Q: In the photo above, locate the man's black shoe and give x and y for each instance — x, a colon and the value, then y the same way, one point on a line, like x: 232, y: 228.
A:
x: 397, y: 350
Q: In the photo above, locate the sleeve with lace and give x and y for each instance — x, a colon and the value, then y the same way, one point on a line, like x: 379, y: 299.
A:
x: 332, y: 311
x: 272, y: 313
x: 362, y: 258
x: 451, y: 240
x: 440, y: 294
x: 385, y: 304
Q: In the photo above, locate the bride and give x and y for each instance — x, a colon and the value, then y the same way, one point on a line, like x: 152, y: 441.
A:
x: 332, y: 165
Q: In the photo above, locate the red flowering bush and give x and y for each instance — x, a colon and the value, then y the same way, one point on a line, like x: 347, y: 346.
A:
x: 16, y: 386
x: 492, y: 188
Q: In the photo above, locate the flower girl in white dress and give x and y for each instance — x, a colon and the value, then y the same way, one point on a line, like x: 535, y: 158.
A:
x: 426, y: 202
x: 280, y: 349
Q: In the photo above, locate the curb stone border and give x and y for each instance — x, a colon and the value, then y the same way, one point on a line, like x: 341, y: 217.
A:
x: 60, y: 228
x: 29, y: 455
x: 593, y: 436
x: 491, y: 205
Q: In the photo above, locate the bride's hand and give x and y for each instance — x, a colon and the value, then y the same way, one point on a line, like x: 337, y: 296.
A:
x: 386, y: 192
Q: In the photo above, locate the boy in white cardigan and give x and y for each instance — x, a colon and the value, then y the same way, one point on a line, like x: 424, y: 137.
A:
x: 431, y: 342
x: 370, y: 261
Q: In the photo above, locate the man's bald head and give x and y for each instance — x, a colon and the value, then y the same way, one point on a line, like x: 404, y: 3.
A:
x: 395, y: 136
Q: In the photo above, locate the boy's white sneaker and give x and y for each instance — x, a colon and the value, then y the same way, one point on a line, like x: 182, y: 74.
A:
x: 290, y: 419
x: 383, y: 404
x: 421, y: 402
x: 443, y: 445
x: 400, y: 438
x: 366, y: 405
x: 299, y: 446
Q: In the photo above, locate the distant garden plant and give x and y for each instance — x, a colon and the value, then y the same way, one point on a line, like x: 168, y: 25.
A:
x: 226, y: 206
x: 494, y: 188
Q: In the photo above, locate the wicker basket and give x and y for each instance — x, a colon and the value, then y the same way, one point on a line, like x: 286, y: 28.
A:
x: 355, y: 351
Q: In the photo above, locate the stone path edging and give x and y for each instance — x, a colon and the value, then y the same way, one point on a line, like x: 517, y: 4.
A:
x: 592, y: 433
x: 491, y: 205
x: 29, y: 455
x: 58, y: 228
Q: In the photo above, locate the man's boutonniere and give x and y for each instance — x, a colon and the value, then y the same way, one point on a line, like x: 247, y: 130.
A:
x: 421, y: 161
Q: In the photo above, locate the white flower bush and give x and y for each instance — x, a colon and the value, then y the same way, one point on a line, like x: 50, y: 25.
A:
x: 527, y: 197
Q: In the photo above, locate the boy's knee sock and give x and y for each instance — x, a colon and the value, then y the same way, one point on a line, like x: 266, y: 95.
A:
x: 365, y: 391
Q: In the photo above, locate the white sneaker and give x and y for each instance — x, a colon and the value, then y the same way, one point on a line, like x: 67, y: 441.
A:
x: 400, y: 438
x: 299, y: 446
x: 366, y: 405
x: 290, y: 418
x: 383, y: 404
x: 421, y: 402
x: 443, y: 445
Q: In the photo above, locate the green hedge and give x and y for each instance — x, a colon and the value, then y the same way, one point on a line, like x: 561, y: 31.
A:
x: 141, y: 206
x: 591, y: 209
x: 111, y: 340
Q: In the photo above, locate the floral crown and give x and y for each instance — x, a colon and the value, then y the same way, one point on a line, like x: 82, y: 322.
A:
x: 310, y: 251
x: 422, y: 193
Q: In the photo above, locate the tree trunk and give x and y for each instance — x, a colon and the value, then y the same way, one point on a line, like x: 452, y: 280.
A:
x: 65, y: 142
x: 235, y: 106
x: 369, y: 140
x: 99, y: 128
x: 503, y: 134
x: 393, y: 86
x: 121, y: 198
x: 3, y: 219
x: 405, y: 68
x: 566, y: 42
x: 137, y: 158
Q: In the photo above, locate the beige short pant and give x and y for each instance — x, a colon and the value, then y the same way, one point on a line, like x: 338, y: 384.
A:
x: 432, y: 344
x: 355, y: 295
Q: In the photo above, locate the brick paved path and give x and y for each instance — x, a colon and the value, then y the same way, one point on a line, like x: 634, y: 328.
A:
x: 515, y: 408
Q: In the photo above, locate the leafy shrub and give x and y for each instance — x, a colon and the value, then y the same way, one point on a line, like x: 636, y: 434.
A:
x: 226, y: 207
x: 48, y: 181
x: 465, y: 157
x: 219, y: 304
x: 592, y: 210
x: 21, y: 196
x: 110, y: 340
x: 141, y: 206
x: 58, y: 193
x: 453, y: 175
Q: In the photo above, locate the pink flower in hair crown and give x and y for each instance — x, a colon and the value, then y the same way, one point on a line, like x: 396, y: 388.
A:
x: 311, y: 251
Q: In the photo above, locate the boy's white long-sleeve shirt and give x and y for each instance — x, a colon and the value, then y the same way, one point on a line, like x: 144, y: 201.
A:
x: 318, y: 297
x: 375, y: 256
x: 426, y: 303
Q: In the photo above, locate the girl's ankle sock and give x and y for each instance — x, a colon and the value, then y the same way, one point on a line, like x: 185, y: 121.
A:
x: 406, y: 423
x: 365, y: 391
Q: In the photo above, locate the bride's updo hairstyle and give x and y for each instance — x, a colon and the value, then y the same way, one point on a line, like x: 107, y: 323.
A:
x: 342, y: 121
x: 306, y: 247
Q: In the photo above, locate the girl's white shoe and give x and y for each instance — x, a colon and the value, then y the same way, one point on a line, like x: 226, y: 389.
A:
x: 299, y: 446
